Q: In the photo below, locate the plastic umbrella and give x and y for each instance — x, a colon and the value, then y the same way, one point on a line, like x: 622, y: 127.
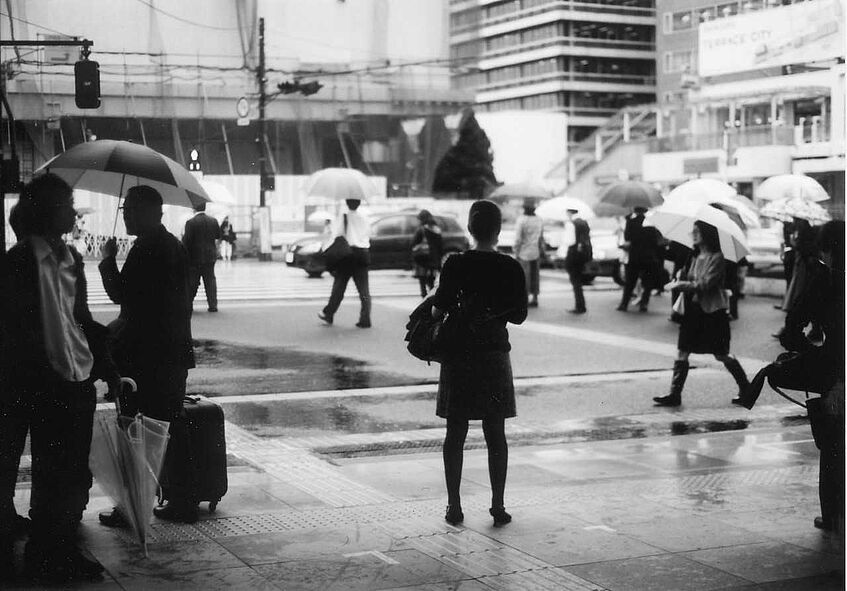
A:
x: 790, y: 186
x: 785, y: 210
x: 126, y: 457
x: 319, y: 216
x: 733, y: 206
x: 702, y: 190
x: 557, y: 209
x: 341, y: 184
x: 522, y: 191
x: 620, y: 198
x: 675, y: 220
x: 111, y: 166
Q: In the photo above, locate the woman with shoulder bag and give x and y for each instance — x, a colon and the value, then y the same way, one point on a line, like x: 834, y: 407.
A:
x: 485, y: 289
x: 704, y: 326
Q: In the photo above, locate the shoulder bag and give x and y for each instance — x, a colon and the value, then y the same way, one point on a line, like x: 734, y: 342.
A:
x: 338, y: 251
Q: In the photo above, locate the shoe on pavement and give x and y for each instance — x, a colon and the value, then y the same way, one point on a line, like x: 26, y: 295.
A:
x: 824, y: 524
x: 363, y: 324
x: 61, y: 566
x: 325, y: 318
x: 577, y: 311
x: 213, y: 309
x: 113, y: 518
x: 181, y: 512
x: 621, y: 308
x: 667, y: 401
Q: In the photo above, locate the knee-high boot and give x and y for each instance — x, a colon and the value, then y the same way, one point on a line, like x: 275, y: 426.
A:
x: 674, y: 398
x: 737, y: 372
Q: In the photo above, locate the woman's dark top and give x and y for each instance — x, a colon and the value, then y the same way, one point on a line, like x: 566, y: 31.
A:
x: 493, y: 290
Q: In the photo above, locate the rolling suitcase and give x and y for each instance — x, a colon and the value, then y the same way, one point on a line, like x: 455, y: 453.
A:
x: 206, y: 454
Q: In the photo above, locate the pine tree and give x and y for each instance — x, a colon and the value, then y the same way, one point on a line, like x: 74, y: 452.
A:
x: 466, y: 169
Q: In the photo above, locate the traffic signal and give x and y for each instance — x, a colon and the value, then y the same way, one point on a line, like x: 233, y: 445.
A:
x: 194, y: 163
x: 310, y: 88
x: 296, y: 86
x: 268, y: 182
x: 87, y: 78
x: 288, y: 87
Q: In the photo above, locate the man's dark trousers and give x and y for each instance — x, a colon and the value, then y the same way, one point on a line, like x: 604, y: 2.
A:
x: 358, y: 271
x: 210, y: 284
x: 575, y: 276
x: 61, y: 419
x: 14, y: 424
x: 648, y: 273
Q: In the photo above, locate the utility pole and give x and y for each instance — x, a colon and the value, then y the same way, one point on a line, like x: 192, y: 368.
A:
x: 265, y: 183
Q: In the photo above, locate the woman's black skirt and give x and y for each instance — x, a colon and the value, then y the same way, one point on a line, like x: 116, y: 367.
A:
x: 476, y: 385
x: 700, y: 332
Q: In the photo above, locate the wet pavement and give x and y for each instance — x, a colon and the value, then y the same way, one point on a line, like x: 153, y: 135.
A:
x: 721, y: 511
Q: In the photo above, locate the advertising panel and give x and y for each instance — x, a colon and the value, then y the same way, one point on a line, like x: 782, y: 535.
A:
x: 798, y: 33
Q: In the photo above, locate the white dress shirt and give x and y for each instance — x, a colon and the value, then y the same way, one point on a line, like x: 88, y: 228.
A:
x: 358, y: 230
x: 64, y: 341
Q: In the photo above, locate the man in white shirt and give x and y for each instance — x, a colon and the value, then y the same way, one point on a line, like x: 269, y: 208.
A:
x: 51, y: 352
x: 356, y: 230
x: 529, y: 245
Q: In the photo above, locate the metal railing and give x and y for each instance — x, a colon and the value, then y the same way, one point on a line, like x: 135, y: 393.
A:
x: 763, y: 135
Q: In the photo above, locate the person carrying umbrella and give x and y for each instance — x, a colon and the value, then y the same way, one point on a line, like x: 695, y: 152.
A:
x: 52, y: 351
x: 426, y: 251
x: 152, y: 340
x: 354, y: 228
x: 578, y: 255
x: 704, y: 327
x: 642, y: 246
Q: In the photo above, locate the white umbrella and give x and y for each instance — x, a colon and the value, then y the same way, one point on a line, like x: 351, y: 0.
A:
x: 319, y: 216
x: 522, y: 190
x: 557, y: 209
x: 702, y: 190
x: 785, y: 210
x: 789, y: 186
x: 675, y: 220
x: 732, y: 205
x: 218, y: 193
x: 341, y: 184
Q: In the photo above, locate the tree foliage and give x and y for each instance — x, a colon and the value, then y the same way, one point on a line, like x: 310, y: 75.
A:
x: 467, y: 170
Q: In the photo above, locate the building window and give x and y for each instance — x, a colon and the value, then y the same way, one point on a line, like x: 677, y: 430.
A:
x: 682, y: 21
x: 706, y: 14
x: 727, y: 10
x: 502, y: 9
x: 667, y: 22
x: 678, y: 61
x: 751, y: 5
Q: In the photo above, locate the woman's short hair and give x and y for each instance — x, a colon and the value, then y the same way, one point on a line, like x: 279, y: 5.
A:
x: 529, y: 206
x: 484, y: 220
x: 708, y: 235
x: 424, y: 216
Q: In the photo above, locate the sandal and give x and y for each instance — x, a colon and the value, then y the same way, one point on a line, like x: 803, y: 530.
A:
x: 454, y: 515
x: 500, y: 516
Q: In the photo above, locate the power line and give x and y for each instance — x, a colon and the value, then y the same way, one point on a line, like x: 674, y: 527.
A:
x: 23, y: 20
x: 187, y: 21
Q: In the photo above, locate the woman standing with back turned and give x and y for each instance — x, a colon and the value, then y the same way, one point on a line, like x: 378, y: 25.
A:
x: 476, y: 378
x: 705, y: 323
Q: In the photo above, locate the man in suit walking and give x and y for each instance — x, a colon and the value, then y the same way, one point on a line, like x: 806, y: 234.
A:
x: 153, y: 342
x: 578, y: 255
x: 642, y: 245
x: 200, y: 239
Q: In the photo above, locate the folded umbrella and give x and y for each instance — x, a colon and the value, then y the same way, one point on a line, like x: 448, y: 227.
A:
x: 785, y: 210
x: 675, y: 220
x: 791, y: 186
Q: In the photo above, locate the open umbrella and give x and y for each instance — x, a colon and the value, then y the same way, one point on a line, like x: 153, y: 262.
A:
x: 319, y: 216
x: 340, y: 184
x: 675, y: 220
x: 522, y: 191
x: 126, y: 457
x: 785, y: 210
x: 702, y: 191
x: 790, y: 186
x: 623, y: 197
x: 733, y: 206
x: 557, y: 209
x: 111, y: 167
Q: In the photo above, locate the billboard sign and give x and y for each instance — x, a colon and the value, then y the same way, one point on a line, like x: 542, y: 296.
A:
x: 799, y: 33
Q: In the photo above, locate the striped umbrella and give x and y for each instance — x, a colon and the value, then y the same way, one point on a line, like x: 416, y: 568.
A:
x: 785, y: 210
x: 112, y: 166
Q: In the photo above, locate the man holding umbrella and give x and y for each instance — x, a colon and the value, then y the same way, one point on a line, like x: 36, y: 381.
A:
x: 642, y: 246
x: 578, y: 255
x: 152, y: 341
x: 52, y: 351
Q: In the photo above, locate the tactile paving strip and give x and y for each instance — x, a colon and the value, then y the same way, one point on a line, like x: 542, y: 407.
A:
x: 550, y: 579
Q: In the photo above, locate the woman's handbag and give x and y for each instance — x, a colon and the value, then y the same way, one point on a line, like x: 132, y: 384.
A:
x: 679, y: 305
x: 433, y: 339
x: 338, y: 251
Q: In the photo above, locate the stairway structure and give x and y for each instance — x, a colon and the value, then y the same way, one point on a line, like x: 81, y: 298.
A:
x: 629, y: 124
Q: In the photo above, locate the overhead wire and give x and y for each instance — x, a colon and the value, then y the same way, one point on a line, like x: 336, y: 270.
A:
x: 188, y: 21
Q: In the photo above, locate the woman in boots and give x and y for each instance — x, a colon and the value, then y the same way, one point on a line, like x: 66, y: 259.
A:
x: 705, y: 323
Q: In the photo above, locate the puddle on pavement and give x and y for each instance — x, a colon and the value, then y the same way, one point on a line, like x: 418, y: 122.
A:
x: 245, y: 369
x: 686, y: 428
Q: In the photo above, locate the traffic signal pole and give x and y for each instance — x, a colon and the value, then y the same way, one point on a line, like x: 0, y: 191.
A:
x: 263, y: 214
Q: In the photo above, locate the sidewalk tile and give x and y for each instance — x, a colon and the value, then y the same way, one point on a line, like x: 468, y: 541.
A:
x: 770, y: 561
x: 463, y: 585
x: 690, y: 533
x: 361, y: 572
x: 816, y: 583
x: 656, y: 573
x: 309, y: 544
x: 206, y: 580
x: 126, y: 560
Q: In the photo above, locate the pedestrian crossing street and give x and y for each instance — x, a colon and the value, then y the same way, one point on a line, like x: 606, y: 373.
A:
x: 253, y: 281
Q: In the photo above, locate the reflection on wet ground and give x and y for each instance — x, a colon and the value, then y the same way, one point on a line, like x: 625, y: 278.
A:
x: 225, y: 369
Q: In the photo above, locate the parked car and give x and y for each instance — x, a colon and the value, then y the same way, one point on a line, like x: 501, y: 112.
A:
x: 391, y: 243
x: 607, y: 256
